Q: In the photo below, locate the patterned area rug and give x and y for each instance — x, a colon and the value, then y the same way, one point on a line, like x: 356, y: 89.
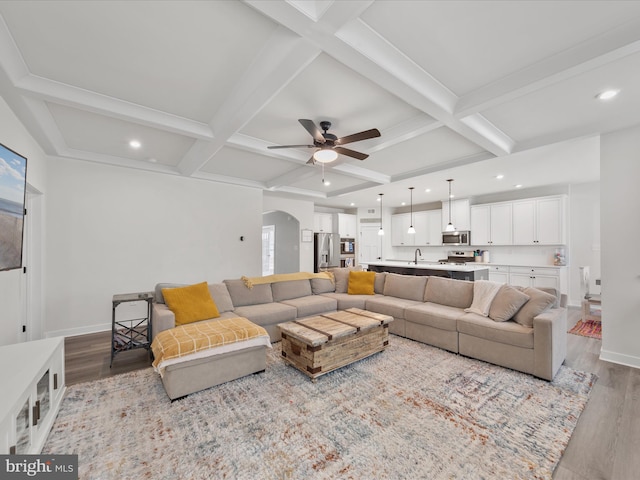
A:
x: 588, y: 328
x: 412, y: 411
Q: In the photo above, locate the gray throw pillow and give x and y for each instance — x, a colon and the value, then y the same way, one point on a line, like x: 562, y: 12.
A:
x: 506, y: 303
x: 538, y: 302
x: 341, y: 276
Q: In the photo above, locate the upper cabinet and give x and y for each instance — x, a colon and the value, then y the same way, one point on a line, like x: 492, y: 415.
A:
x: 347, y: 225
x: 534, y: 221
x: 323, y: 222
x: 460, y: 214
x: 427, y: 225
x: 540, y: 221
x: 491, y: 224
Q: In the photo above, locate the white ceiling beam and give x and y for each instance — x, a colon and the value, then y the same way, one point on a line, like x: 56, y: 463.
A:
x: 292, y: 176
x: 353, y: 189
x: 63, y: 94
x: 459, y: 162
x: 364, y: 50
x: 280, y: 60
x: 411, y: 128
x: 256, y: 145
x: 361, y: 173
x: 593, y: 53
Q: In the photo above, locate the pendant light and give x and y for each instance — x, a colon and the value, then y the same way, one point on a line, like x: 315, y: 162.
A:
x: 411, y: 229
x: 450, y: 227
x: 381, y: 231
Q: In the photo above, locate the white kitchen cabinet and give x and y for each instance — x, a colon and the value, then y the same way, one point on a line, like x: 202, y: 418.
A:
x: 539, y: 221
x: 491, y: 224
x: 460, y: 214
x: 499, y: 273
x: 536, y: 277
x: 33, y: 392
x: 430, y: 222
x: 323, y: 222
x: 427, y: 225
x: 347, y: 225
x: 399, y: 225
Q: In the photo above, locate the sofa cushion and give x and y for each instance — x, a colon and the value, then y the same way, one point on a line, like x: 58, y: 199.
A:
x: 378, y: 284
x: 446, y: 291
x: 389, y: 305
x: 506, y: 303
x: 242, y: 295
x: 408, y: 287
x: 434, y: 315
x: 361, y: 283
x: 267, y: 313
x: 538, y: 302
x: 192, y: 303
x: 346, y: 301
x: 341, y: 276
x: 322, y: 285
x: 510, y: 333
x: 221, y: 296
x: 290, y: 289
x: 312, y: 305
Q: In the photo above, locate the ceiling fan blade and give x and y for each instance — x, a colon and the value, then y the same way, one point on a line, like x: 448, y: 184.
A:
x: 311, y: 127
x: 351, y: 153
x: 356, y: 137
x: 311, y: 161
x: 292, y: 146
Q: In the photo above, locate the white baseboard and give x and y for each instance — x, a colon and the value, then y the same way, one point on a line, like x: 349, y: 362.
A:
x: 72, y: 332
x: 620, y: 358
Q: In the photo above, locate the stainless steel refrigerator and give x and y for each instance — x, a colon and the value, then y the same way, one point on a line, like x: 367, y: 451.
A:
x: 326, y: 251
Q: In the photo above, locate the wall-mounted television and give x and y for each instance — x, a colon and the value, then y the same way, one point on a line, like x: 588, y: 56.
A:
x: 13, y: 183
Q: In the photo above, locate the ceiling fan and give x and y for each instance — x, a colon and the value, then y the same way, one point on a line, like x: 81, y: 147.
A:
x: 328, y: 145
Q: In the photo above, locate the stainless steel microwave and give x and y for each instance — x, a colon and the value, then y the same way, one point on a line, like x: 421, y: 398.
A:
x: 456, y: 238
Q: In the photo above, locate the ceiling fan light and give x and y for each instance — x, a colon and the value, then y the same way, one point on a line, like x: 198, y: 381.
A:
x: 325, y: 155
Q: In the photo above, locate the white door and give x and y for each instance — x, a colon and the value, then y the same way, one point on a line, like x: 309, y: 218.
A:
x: 370, y: 244
x: 268, y: 249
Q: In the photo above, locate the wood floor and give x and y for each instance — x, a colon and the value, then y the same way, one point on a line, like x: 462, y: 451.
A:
x: 604, y: 444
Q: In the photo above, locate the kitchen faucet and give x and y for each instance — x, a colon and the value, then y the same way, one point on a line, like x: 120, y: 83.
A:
x: 416, y: 255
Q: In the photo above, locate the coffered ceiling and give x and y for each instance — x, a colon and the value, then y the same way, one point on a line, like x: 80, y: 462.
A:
x: 458, y: 89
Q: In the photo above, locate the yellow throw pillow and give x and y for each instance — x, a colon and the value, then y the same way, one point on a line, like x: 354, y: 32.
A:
x: 190, y: 304
x: 361, y: 283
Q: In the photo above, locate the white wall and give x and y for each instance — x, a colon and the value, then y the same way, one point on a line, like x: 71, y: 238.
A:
x: 619, y: 175
x: 113, y: 230
x: 302, y: 210
x: 584, y: 234
x: 12, y: 284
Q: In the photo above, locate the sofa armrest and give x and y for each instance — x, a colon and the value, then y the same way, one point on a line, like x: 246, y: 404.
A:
x: 549, y: 342
x: 161, y: 318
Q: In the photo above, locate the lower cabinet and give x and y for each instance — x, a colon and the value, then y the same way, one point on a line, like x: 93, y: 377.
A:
x: 499, y: 273
x: 33, y: 391
x: 535, y: 277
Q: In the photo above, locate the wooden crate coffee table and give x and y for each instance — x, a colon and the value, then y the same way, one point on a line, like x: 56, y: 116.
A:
x: 318, y: 345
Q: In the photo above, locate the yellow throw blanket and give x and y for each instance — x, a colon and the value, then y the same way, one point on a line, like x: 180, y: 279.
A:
x: 195, y: 337
x: 285, y: 277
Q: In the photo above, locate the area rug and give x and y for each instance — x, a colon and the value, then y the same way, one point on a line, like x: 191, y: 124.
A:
x: 412, y: 411
x: 588, y: 328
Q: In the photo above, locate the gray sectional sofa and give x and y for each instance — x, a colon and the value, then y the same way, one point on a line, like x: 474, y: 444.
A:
x: 431, y: 310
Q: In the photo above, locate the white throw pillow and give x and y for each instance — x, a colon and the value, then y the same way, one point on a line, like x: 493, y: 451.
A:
x: 484, y: 291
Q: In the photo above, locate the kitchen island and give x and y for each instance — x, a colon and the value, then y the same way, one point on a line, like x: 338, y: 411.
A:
x: 470, y: 272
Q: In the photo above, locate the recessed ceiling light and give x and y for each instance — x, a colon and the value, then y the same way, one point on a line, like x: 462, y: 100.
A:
x: 352, y: 204
x: 403, y: 203
x: 607, y: 94
x: 518, y: 186
x: 452, y: 196
x: 428, y: 190
x: 135, y: 144
x: 499, y: 176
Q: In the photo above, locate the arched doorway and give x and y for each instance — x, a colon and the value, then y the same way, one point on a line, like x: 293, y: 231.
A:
x: 280, y: 243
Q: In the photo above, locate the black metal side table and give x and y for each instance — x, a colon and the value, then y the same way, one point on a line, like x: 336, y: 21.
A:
x: 131, y: 333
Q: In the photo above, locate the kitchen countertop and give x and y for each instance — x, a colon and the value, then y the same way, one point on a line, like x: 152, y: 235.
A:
x: 431, y: 266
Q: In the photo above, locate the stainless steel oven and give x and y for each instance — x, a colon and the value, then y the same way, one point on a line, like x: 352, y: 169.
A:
x: 456, y: 238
